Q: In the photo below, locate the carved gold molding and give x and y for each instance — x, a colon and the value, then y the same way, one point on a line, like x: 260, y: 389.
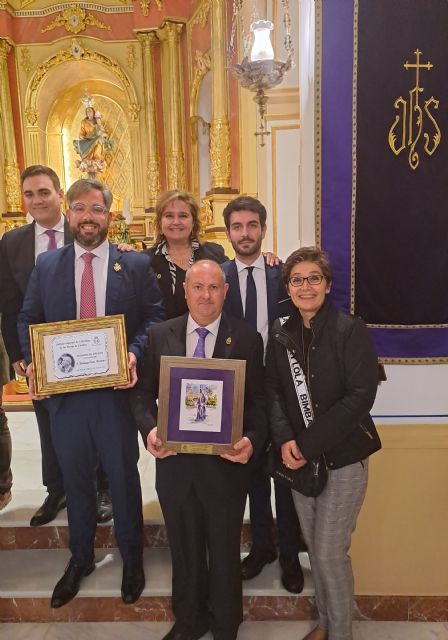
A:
x: 144, y: 5
x: 134, y: 109
x: 25, y: 60
x: 203, y: 64
x: 76, y: 52
x: 153, y: 176
x: 201, y: 15
x: 5, y: 48
x: 220, y: 153
x: 176, y: 171
x: 12, y: 186
x: 131, y: 57
x: 75, y: 19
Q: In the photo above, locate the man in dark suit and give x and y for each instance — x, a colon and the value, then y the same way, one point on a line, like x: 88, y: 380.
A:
x: 92, y: 278
x: 256, y: 293
x: 19, y: 248
x: 203, y: 496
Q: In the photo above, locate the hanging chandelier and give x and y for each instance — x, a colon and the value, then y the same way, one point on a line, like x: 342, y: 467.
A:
x: 259, y: 70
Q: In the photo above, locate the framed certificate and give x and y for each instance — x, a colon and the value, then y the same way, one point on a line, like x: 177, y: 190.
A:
x: 201, y: 403
x: 77, y: 355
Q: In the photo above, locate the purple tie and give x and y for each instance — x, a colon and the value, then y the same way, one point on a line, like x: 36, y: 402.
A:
x: 51, y: 233
x: 199, y: 352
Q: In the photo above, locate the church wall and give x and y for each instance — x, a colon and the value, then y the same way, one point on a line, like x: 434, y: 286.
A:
x: 399, y: 546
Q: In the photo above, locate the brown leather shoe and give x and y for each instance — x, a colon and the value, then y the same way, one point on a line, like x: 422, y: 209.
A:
x: 317, y: 634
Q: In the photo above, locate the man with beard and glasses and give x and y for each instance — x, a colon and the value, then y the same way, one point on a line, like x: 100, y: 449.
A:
x: 257, y: 294
x: 19, y: 249
x: 88, y: 279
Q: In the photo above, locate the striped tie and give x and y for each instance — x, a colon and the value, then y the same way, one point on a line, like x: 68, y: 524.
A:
x: 87, y: 306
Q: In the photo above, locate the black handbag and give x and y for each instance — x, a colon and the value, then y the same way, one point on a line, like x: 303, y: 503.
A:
x: 309, y: 480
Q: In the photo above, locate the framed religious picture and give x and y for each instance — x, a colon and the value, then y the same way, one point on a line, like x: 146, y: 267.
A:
x: 77, y: 355
x: 201, y: 403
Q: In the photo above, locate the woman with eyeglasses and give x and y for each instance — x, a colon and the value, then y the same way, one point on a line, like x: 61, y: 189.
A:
x: 324, y: 357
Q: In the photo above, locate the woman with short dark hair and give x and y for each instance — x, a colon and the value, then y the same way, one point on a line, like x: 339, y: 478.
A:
x: 322, y: 359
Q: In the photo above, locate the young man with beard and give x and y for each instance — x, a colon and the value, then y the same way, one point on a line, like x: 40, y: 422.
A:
x: 91, y: 278
x: 19, y: 249
x: 256, y: 293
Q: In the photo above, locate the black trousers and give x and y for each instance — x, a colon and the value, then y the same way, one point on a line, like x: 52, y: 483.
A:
x: 262, y: 523
x: 204, y: 536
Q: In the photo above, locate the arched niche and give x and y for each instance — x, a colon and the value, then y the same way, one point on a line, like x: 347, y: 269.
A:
x: 53, y: 110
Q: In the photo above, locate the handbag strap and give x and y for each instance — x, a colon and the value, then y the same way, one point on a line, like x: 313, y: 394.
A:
x: 300, y: 385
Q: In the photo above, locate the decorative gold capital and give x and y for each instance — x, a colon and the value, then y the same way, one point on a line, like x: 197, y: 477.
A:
x: 134, y: 109
x: 31, y: 116
x: 220, y: 153
x: 170, y: 31
x: 12, y: 186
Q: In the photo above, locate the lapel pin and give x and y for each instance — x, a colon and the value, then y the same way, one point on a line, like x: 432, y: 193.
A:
x: 229, y: 341
x: 158, y: 275
x: 117, y: 267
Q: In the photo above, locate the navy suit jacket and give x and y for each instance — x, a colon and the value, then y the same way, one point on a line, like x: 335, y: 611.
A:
x: 17, y: 249
x: 279, y: 303
x: 131, y: 290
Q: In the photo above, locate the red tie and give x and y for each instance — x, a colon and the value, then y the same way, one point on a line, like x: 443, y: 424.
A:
x: 87, y: 306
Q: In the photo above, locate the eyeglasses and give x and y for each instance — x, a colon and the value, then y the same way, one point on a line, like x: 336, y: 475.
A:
x: 299, y: 281
x: 95, y: 209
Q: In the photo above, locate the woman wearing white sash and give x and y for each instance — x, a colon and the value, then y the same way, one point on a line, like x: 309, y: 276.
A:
x: 322, y: 376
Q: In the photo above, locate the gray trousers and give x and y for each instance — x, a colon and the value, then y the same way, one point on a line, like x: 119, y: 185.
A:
x: 328, y: 522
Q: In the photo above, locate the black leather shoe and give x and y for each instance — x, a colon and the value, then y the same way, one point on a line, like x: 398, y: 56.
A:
x: 68, y: 586
x: 174, y: 634
x: 292, y: 574
x: 132, y: 584
x: 253, y: 564
x: 48, y: 511
x: 104, y: 506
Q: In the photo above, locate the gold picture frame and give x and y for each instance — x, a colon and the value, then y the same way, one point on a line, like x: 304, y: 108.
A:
x: 201, y: 404
x: 79, y: 355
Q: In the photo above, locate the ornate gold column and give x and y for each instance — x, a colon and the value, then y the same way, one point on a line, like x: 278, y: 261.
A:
x: 168, y: 35
x: 11, y: 167
x: 147, y: 41
x: 220, y: 127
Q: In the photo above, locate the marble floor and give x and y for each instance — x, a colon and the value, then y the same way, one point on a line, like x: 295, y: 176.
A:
x: 248, y: 631
x: 28, y: 494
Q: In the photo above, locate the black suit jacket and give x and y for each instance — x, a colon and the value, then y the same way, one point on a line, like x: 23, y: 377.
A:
x: 279, y: 303
x: 17, y: 260
x: 236, y: 339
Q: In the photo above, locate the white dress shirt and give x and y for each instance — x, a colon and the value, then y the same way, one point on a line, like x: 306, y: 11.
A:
x: 259, y: 274
x: 99, y: 265
x: 41, y: 238
x: 193, y: 337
